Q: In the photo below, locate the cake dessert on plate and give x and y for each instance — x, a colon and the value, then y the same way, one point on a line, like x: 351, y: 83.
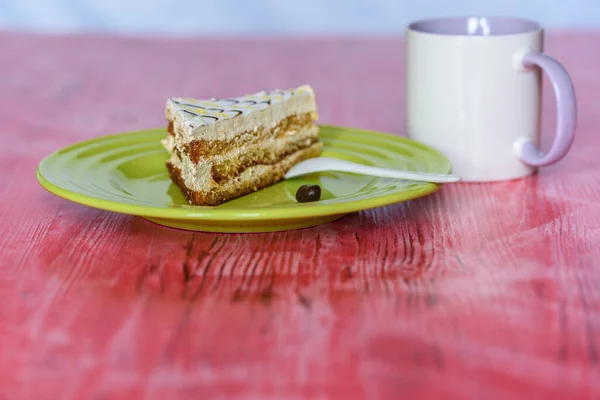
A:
x: 222, y: 149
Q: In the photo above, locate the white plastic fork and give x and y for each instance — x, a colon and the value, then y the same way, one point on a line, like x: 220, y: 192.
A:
x: 320, y: 164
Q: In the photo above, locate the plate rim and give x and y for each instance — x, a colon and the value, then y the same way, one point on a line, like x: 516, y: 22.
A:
x: 211, y: 213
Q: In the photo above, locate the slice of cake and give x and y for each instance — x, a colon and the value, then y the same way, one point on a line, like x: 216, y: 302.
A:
x: 222, y: 149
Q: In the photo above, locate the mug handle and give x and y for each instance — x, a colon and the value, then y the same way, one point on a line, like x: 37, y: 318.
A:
x: 566, y: 110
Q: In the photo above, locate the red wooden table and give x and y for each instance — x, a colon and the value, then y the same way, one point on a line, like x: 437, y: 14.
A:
x: 477, y: 291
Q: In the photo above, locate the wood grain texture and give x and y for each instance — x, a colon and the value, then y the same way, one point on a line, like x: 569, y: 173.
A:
x: 477, y: 291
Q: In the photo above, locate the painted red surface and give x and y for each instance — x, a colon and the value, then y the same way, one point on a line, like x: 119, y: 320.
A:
x: 478, y: 291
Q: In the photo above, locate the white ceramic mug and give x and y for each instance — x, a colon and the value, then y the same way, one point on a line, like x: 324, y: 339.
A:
x: 473, y: 87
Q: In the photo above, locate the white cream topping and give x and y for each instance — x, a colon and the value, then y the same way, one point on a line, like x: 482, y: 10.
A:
x: 224, y: 119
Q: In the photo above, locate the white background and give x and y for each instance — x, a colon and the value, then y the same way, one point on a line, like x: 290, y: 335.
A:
x: 274, y: 17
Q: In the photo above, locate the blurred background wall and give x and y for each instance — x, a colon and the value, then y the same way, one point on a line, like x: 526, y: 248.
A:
x: 273, y: 17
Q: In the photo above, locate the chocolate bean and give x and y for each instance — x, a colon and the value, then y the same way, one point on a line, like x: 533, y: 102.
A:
x: 307, y: 193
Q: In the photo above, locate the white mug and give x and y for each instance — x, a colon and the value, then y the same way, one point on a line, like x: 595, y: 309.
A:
x: 473, y: 91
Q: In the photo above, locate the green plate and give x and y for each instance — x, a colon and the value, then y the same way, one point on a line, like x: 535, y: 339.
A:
x: 126, y: 173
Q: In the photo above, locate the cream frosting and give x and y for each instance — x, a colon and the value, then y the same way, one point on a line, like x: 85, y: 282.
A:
x: 198, y: 176
x: 168, y: 143
x: 248, y: 174
x: 217, y: 119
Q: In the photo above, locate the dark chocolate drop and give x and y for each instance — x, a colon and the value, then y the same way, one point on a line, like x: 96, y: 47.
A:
x: 308, y: 193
